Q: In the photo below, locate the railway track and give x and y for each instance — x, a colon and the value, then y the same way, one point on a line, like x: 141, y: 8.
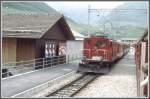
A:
x: 75, y: 86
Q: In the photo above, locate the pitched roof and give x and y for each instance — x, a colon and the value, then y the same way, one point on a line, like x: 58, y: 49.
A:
x: 33, y: 25
x: 30, y: 24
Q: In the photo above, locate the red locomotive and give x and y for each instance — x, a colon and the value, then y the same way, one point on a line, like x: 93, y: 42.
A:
x: 99, y: 52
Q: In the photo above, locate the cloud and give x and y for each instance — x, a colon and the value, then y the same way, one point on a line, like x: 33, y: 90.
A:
x: 83, y: 4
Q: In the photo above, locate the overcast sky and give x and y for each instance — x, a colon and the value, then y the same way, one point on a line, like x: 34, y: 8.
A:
x: 80, y: 4
x: 71, y: 8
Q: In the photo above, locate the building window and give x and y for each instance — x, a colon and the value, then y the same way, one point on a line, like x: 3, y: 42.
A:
x: 50, y: 49
x: 62, y: 49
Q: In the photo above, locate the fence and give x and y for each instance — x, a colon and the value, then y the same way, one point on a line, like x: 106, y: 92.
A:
x: 14, y: 68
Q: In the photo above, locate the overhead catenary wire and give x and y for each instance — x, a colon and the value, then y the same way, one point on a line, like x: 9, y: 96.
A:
x: 99, y: 10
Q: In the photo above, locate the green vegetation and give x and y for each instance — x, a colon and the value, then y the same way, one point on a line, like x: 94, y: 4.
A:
x: 126, y: 25
x: 82, y: 28
x: 133, y: 23
x: 26, y: 7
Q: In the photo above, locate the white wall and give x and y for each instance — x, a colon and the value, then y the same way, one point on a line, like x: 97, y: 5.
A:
x: 74, y: 48
x: 143, y: 53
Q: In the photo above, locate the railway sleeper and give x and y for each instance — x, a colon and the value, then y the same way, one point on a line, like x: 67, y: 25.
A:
x: 73, y: 87
x: 63, y: 93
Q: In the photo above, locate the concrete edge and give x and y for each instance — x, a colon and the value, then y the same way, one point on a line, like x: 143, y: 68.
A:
x: 47, y: 91
x: 34, y: 90
x: 31, y: 72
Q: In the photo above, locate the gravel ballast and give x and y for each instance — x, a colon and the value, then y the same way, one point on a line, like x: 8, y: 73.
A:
x: 58, y: 85
x: 119, y: 82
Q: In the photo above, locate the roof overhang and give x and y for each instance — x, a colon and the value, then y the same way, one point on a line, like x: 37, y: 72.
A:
x: 21, y: 33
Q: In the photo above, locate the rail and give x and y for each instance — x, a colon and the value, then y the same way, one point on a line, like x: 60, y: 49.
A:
x: 73, y: 87
x: 15, y: 68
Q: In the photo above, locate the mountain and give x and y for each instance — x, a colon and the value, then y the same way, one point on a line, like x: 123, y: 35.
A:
x: 134, y: 18
x: 117, y: 24
x: 36, y: 7
x: 25, y: 7
x: 133, y: 23
x: 41, y: 7
x: 82, y: 28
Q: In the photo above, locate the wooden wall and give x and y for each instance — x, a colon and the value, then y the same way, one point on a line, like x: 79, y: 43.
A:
x: 56, y: 32
x: 9, y: 50
x: 15, y: 50
x: 40, y: 48
x: 25, y: 49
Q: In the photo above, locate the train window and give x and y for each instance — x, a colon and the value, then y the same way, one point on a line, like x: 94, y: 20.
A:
x: 100, y: 43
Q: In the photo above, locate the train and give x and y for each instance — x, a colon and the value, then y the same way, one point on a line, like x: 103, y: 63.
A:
x: 99, y: 52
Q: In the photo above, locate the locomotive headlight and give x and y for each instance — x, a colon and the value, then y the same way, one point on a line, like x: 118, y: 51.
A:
x: 105, y: 60
x: 97, y: 58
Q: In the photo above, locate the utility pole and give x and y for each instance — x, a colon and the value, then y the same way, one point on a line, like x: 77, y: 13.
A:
x: 89, y: 19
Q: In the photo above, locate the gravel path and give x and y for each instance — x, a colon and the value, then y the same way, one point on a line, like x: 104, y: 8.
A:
x: 119, y: 82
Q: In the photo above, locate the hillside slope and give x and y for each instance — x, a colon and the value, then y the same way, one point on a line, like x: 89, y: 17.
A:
x: 25, y: 7
x: 135, y: 18
x: 125, y: 24
x: 39, y: 8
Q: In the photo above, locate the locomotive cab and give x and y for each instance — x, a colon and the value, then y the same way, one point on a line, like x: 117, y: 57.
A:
x: 96, y: 55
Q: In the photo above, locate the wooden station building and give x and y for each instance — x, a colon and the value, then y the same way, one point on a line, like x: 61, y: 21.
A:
x: 27, y: 36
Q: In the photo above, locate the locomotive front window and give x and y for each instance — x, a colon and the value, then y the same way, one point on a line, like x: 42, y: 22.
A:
x: 100, y: 43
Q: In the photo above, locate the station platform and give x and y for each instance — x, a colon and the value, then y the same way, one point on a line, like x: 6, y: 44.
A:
x: 17, y: 84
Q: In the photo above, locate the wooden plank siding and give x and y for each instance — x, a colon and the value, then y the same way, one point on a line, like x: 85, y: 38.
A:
x: 9, y: 50
x: 32, y: 47
x: 40, y: 48
x: 25, y: 49
x: 56, y: 32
